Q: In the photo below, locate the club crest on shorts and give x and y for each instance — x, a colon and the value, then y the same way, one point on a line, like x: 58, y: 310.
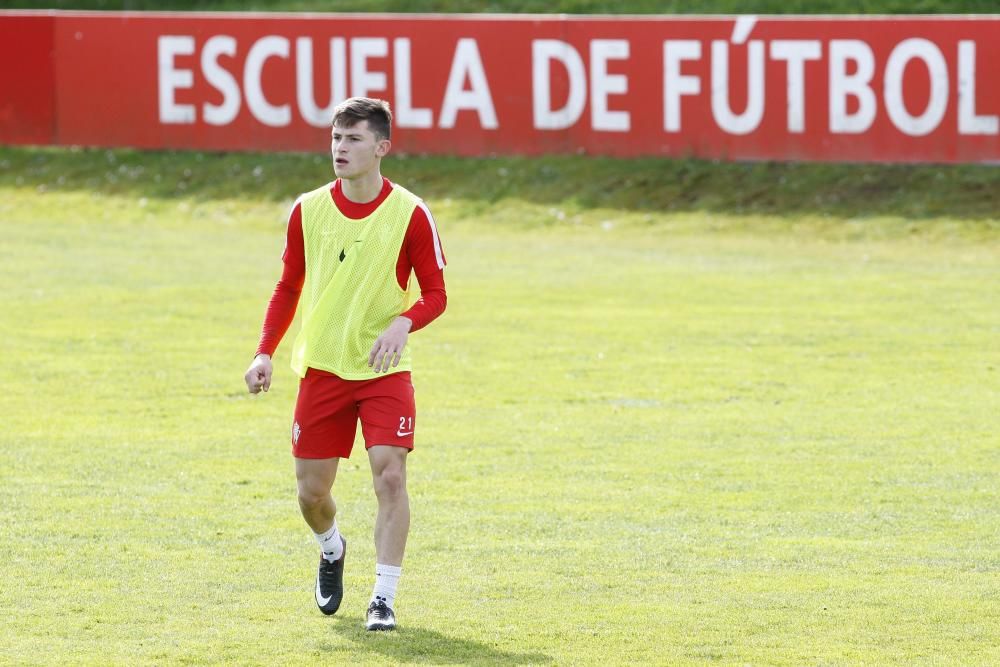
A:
x: 296, y: 431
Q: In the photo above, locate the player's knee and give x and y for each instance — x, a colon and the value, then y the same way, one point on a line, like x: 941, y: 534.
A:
x: 311, y: 499
x: 390, y: 483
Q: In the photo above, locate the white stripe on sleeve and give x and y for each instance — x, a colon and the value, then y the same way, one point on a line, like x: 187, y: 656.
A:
x: 434, y: 233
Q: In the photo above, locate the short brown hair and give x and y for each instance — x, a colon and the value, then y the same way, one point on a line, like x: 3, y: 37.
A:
x: 353, y: 110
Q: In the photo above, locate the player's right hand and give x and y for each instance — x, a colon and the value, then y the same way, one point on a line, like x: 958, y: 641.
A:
x: 258, y: 376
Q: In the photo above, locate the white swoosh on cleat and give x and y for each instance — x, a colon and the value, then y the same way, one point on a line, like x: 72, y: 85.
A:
x: 322, y: 601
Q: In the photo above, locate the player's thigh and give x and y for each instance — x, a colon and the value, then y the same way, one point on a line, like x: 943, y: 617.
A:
x: 315, y: 477
x: 388, y: 412
x: 388, y: 465
x: 326, y: 417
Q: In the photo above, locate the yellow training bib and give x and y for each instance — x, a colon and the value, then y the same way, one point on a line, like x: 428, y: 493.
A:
x: 350, y: 293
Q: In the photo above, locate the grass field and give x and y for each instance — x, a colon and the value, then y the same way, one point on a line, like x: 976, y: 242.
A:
x: 675, y: 413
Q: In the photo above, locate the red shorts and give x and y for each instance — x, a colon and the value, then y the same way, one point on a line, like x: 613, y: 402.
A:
x: 328, y: 409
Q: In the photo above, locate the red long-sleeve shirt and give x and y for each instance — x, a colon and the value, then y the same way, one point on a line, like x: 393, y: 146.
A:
x: 420, y: 253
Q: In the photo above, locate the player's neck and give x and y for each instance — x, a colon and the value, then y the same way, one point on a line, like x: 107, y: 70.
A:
x: 362, y: 189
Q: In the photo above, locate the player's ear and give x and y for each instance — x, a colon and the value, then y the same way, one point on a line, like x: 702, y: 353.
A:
x: 382, y: 148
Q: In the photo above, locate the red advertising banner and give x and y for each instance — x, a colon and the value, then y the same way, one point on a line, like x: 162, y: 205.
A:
x: 27, y: 78
x: 886, y: 89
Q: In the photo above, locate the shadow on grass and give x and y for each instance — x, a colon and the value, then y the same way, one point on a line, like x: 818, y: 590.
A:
x: 410, y: 643
x: 963, y: 192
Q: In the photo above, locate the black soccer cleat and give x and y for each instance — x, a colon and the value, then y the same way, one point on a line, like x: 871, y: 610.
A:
x: 380, y: 616
x: 330, y: 583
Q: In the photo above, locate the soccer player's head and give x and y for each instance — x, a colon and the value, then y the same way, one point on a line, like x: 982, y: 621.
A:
x: 354, y: 110
x: 360, y: 137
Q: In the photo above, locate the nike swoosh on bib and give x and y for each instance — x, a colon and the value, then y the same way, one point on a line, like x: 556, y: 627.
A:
x: 403, y: 434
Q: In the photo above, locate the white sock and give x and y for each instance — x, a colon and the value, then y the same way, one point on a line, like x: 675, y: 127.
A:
x: 386, y: 580
x: 330, y: 544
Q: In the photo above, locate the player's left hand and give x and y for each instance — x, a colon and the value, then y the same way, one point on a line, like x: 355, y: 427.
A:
x: 388, y: 348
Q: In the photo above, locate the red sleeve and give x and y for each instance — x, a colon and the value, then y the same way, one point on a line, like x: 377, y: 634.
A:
x: 285, y: 299
x: 422, y: 253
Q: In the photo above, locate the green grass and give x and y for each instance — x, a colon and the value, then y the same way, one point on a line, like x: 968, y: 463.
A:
x: 539, y: 6
x: 751, y: 419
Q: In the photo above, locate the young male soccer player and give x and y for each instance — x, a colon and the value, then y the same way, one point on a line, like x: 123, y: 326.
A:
x: 350, y: 248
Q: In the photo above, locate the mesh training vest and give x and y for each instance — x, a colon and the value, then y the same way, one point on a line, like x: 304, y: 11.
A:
x: 350, y: 293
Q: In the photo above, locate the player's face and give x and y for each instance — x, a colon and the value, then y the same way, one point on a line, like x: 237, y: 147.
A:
x: 356, y: 150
